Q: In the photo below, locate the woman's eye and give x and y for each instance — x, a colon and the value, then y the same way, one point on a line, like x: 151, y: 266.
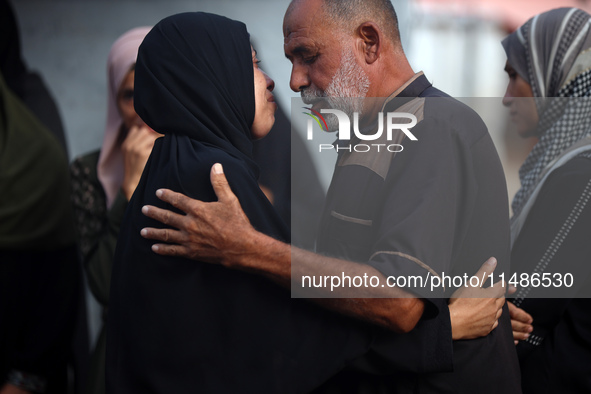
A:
x: 127, y: 94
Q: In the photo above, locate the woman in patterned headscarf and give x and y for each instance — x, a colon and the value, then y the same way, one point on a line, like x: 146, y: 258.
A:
x: 549, y: 97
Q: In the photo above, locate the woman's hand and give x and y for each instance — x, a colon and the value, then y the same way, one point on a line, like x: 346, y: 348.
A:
x: 475, y: 311
x: 521, y: 323
x: 136, y: 149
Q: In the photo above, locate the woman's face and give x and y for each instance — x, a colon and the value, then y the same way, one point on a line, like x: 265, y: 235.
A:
x: 125, y: 102
x: 519, y: 99
x: 265, y: 105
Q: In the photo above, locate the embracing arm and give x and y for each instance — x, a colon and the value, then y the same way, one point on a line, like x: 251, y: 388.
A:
x: 208, y: 233
x: 204, y: 234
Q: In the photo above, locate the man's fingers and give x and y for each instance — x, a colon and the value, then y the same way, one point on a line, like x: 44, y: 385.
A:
x: 163, y: 215
x: 500, y: 302
x: 495, y: 324
x: 177, y: 200
x: 171, y: 250
x: 220, y: 183
x: 498, y: 289
x: 485, y: 270
x: 162, y: 234
x: 511, y: 289
x: 499, y: 313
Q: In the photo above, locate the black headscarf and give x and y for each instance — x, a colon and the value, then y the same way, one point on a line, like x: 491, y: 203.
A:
x: 12, y: 65
x: 179, y: 326
x: 205, y: 91
x: 27, y: 85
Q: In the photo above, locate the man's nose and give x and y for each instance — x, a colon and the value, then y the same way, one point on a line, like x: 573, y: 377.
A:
x: 299, y: 78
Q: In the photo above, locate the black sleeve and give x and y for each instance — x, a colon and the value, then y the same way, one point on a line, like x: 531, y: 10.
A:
x: 97, y: 228
x: 417, y: 228
x: 415, y: 238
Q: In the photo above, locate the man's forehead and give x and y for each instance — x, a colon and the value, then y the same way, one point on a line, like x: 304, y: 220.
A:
x: 301, y: 16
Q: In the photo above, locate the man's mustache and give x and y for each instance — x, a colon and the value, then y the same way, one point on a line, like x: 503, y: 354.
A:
x: 311, y: 95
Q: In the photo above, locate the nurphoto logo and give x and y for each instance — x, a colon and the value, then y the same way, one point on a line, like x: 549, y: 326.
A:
x: 393, y: 122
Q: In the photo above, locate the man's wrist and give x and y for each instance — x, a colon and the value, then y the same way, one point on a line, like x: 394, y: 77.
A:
x: 261, y: 254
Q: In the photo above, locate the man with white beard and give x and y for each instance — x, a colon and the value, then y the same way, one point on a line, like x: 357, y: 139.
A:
x: 346, y: 90
x: 438, y: 207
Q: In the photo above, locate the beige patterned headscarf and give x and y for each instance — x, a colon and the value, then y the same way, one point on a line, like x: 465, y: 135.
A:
x: 552, y: 52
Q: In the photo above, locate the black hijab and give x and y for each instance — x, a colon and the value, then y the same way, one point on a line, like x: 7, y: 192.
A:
x: 12, y: 65
x: 205, y: 91
x: 27, y: 85
x: 179, y: 326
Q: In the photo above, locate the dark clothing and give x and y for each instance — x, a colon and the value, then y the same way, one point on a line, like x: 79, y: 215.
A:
x: 37, y: 201
x: 555, y: 358
x: 27, y: 85
x: 39, y: 268
x: 40, y: 101
x: 180, y: 326
x: 38, y: 304
x: 288, y: 170
x: 439, y: 206
x: 98, y: 228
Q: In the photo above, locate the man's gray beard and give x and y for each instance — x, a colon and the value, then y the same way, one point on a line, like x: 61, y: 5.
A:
x: 346, y: 91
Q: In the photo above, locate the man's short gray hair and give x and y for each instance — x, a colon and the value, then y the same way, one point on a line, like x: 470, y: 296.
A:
x: 348, y: 14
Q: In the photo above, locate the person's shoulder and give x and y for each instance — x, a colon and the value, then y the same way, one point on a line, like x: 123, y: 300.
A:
x: 576, y: 171
x: 445, y: 114
x: 439, y: 103
x: 566, y: 184
x: 87, y: 160
x: 580, y: 163
x: 432, y: 91
x: 207, y: 156
x: 201, y: 157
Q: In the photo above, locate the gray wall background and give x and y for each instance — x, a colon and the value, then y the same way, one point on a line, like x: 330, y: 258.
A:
x: 68, y: 42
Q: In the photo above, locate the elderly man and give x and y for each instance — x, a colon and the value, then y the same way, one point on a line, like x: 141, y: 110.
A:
x: 431, y: 209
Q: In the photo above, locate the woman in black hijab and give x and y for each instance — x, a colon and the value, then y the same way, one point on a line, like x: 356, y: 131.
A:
x: 176, y: 326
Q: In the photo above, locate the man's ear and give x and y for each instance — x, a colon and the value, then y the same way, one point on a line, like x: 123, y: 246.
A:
x: 370, y: 36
